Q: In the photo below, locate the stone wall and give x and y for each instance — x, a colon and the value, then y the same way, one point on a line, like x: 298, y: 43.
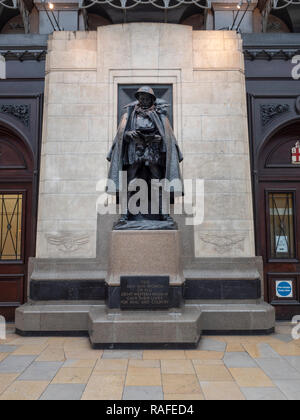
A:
x: 206, y: 69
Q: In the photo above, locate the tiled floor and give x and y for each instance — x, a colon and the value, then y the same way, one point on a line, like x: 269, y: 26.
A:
x: 222, y: 368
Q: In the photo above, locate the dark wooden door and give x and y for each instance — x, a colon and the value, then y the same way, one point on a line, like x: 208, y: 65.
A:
x: 280, y: 239
x: 278, y: 221
x: 15, y: 221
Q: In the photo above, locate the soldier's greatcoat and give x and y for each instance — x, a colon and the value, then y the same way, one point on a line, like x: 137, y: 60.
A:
x: 173, y: 153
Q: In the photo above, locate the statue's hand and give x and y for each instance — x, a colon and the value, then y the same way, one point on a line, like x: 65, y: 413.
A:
x: 131, y: 135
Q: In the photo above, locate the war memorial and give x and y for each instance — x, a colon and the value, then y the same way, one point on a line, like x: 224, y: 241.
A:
x: 160, y: 102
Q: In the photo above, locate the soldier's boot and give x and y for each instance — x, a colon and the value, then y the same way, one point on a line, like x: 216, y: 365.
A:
x: 123, y: 219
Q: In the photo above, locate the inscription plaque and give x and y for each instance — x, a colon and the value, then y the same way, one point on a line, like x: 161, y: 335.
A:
x: 145, y: 292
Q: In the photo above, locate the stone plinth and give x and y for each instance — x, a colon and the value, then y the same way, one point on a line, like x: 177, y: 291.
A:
x: 140, y: 253
x: 145, y: 254
x: 115, y: 328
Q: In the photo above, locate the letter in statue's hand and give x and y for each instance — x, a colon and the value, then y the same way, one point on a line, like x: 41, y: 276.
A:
x: 131, y: 135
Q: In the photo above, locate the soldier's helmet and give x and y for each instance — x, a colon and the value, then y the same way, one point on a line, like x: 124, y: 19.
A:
x: 145, y: 89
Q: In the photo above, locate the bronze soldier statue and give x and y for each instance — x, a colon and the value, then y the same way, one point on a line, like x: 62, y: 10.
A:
x: 145, y: 147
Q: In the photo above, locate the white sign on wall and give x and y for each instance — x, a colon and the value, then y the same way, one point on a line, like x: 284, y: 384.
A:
x: 296, y: 154
x: 282, y: 244
x: 284, y: 288
x: 2, y: 67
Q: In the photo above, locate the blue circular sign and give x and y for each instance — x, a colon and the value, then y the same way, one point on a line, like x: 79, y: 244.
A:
x: 284, y: 289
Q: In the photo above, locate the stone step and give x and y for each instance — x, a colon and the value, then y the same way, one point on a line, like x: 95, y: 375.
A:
x: 54, y: 318
x: 238, y: 319
x: 178, y: 328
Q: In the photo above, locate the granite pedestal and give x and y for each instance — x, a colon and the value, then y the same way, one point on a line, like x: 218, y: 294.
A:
x: 145, y: 284
x: 145, y: 254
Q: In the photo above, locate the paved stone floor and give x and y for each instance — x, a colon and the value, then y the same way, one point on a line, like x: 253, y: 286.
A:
x: 222, y: 368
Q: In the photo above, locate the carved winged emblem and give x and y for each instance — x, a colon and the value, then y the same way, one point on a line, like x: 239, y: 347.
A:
x: 224, y: 243
x: 68, y: 242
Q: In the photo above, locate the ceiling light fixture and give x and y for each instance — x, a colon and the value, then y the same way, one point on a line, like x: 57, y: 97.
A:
x: 238, y: 6
x: 51, y: 7
x: 245, y: 12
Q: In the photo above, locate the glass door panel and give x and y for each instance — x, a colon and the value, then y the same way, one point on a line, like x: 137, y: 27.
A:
x: 282, y: 225
x: 11, y: 216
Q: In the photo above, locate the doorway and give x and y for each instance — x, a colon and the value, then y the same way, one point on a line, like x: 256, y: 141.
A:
x: 278, y: 220
x: 16, y: 221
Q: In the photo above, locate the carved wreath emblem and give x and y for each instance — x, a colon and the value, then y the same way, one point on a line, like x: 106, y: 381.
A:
x: 21, y: 112
x: 270, y: 111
